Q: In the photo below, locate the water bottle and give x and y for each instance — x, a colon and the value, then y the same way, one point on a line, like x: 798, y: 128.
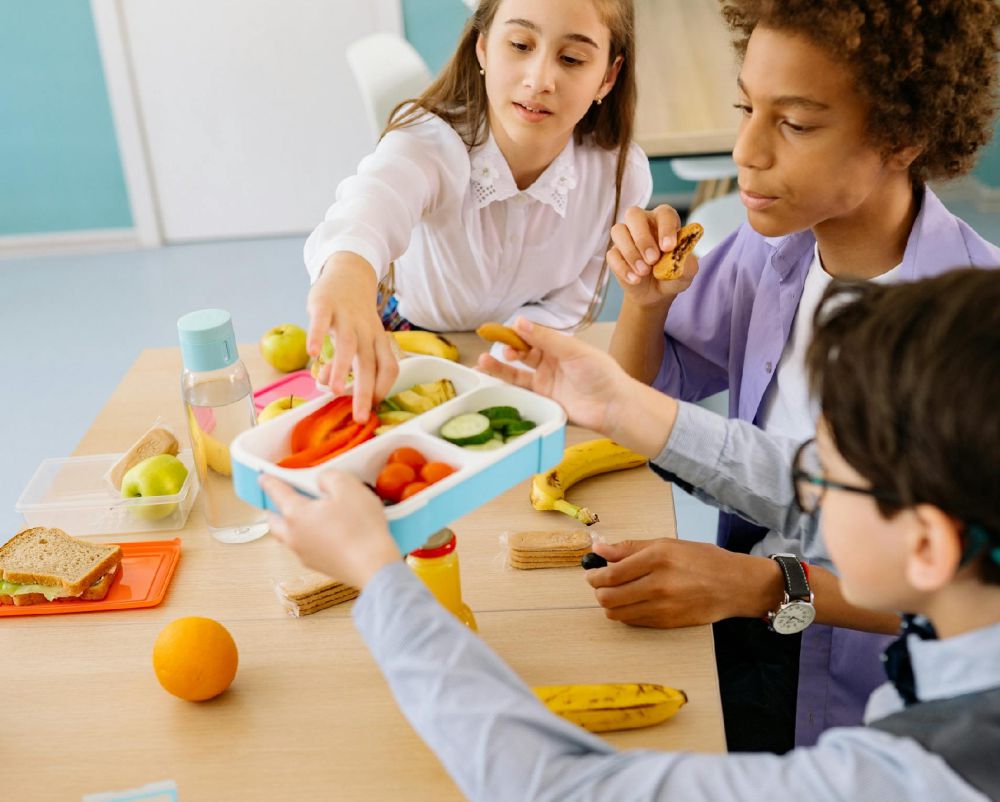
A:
x: 218, y: 403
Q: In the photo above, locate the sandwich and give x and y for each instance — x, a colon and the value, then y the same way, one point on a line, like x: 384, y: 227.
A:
x: 153, y: 443
x: 43, y: 564
x: 671, y: 264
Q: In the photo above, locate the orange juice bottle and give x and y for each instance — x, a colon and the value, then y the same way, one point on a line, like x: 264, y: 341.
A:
x: 436, y: 563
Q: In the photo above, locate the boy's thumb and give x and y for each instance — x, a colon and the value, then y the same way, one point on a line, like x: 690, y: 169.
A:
x: 546, y: 340
x: 616, y: 552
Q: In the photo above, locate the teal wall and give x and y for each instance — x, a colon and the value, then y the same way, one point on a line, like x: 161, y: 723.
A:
x: 59, y: 163
x: 60, y: 168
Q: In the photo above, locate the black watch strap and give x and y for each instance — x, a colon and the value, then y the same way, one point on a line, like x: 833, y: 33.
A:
x: 796, y: 584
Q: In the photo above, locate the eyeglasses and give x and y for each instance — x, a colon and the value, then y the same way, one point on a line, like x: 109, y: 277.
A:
x: 811, y: 486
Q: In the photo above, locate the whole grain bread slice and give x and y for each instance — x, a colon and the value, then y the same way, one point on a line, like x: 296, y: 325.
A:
x: 46, y: 556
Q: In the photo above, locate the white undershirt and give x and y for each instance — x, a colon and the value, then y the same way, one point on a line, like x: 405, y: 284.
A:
x: 787, y: 408
x: 468, y: 245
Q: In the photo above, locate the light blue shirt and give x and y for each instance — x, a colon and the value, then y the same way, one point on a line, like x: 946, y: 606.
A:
x: 499, y: 742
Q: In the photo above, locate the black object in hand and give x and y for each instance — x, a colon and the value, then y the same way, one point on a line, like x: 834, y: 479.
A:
x: 592, y: 560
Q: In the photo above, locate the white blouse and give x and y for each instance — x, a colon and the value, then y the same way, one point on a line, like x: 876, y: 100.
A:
x: 468, y: 245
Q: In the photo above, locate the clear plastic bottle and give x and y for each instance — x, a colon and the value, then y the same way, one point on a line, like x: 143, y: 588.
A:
x: 436, y: 563
x: 218, y: 403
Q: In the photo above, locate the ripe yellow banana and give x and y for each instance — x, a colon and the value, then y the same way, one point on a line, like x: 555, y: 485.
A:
x: 579, y: 462
x: 208, y: 452
x: 426, y: 342
x: 622, y: 706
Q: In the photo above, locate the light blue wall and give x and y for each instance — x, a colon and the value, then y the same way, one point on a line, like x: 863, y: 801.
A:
x: 60, y: 168
x: 59, y: 163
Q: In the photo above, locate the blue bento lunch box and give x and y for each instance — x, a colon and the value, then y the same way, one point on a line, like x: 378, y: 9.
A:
x: 480, y: 475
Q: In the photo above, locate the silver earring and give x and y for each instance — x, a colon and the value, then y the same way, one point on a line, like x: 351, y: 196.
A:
x: 482, y: 71
x: 598, y: 101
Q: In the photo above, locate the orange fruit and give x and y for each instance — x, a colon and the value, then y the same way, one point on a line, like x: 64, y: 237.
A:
x: 195, y: 658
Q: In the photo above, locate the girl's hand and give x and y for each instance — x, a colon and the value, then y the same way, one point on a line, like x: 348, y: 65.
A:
x: 585, y: 381
x: 342, y: 302
x: 639, y: 243
x: 343, y: 534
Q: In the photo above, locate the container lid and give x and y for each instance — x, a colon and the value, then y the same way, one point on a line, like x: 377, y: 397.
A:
x: 440, y: 543
x: 207, y: 339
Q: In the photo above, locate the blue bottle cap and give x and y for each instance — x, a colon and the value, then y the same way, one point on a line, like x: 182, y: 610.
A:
x: 207, y: 339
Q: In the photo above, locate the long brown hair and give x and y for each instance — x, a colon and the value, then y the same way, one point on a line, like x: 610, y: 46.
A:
x: 458, y: 96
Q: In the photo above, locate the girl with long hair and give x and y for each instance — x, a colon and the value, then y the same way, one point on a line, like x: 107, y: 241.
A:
x: 489, y: 196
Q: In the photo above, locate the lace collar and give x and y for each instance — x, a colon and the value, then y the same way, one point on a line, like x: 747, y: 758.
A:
x: 492, y: 179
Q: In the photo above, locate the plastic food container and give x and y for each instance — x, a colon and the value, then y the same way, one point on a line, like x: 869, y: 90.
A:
x: 479, y: 476
x: 72, y: 494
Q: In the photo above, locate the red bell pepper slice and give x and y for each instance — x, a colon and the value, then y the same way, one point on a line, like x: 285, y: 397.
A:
x: 308, y: 457
x: 316, y: 427
x: 364, y: 432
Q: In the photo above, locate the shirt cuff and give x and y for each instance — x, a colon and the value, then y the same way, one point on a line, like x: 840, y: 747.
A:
x: 694, y: 448
x: 350, y: 244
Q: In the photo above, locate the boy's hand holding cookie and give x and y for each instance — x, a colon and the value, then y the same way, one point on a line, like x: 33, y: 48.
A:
x: 641, y: 244
x: 343, y: 534
x: 586, y: 382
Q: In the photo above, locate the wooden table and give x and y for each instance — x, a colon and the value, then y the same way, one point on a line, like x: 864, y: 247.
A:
x: 309, y: 716
x: 687, y: 79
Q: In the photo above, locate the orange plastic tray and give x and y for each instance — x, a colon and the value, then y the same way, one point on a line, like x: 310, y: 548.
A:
x: 144, y: 574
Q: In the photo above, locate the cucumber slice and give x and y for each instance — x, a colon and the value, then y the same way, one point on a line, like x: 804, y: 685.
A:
x: 490, y: 445
x: 518, y: 427
x: 500, y: 413
x: 467, y: 430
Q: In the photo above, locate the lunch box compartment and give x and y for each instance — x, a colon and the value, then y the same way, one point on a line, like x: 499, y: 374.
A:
x: 479, y: 476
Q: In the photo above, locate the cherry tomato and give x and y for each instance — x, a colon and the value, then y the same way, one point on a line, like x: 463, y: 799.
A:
x: 393, y: 480
x: 408, y: 456
x: 435, y: 471
x: 411, y: 488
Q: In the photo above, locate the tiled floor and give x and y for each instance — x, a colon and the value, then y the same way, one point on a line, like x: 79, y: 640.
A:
x: 76, y: 322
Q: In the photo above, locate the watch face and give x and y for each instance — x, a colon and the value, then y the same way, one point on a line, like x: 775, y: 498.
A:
x: 793, y: 617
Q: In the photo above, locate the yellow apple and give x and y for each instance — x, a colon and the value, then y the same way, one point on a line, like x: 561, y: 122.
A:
x: 278, y: 407
x: 284, y: 347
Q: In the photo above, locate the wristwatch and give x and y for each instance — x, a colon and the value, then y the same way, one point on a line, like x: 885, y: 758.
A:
x: 796, y: 612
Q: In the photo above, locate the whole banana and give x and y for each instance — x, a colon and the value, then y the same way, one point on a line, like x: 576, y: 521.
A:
x: 579, y: 462
x: 607, y: 707
x: 426, y: 342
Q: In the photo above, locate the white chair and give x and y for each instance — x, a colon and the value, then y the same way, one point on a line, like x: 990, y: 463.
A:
x: 388, y: 71
x: 716, y: 175
x: 720, y: 217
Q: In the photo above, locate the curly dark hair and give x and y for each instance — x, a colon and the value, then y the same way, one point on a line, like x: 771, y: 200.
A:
x: 928, y: 69
x: 908, y: 377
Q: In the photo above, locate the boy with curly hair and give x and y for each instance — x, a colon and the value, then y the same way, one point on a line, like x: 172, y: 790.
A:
x: 849, y: 107
x: 904, y: 471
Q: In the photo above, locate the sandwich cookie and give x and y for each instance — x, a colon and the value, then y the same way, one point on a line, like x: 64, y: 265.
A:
x: 671, y: 264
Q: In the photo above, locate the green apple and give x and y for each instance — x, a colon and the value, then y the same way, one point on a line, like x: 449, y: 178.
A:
x: 162, y: 475
x: 279, y: 406
x: 284, y: 347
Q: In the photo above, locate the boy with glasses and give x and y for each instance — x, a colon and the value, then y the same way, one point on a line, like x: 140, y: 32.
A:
x: 904, y: 474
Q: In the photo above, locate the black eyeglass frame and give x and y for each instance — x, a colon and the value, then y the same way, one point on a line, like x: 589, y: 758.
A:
x: 799, y: 475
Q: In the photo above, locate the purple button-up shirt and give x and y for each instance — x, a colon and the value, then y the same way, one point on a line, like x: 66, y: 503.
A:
x: 728, y: 331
